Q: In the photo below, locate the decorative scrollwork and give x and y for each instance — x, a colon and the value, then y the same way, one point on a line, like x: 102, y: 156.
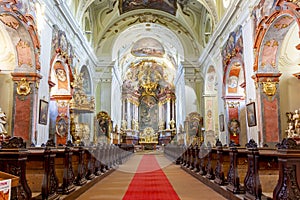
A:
x: 23, y: 87
x: 288, y: 143
x: 251, y: 144
x: 218, y: 143
x: 50, y: 143
x: 13, y: 143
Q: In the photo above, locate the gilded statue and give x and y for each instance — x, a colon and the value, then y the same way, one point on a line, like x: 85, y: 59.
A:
x: 80, y: 100
x: 124, y: 125
x: 172, y: 124
x: 161, y: 125
x: 148, y: 136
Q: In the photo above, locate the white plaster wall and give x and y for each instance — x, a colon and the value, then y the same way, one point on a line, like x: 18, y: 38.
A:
x: 45, y: 40
x: 252, y: 132
x: 59, y: 14
x: 116, y: 103
x: 180, y: 100
x: 105, y: 97
x: 190, y: 99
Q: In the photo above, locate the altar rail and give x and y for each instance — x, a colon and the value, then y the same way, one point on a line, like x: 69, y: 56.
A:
x: 57, y: 172
x: 243, y: 173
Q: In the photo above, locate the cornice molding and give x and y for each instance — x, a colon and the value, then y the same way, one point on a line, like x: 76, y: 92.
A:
x: 223, y: 28
x: 59, y: 7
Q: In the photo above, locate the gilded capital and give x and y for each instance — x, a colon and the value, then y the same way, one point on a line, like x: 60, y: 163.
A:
x: 269, y: 87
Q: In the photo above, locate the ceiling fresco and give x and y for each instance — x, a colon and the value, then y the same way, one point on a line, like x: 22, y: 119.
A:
x: 169, y: 6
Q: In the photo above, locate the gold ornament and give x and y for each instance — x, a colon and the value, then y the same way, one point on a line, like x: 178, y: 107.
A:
x: 269, y: 88
x: 23, y: 87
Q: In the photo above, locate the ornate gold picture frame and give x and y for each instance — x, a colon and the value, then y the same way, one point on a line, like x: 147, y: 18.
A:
x: 251, y: 114
x: 43, y: 112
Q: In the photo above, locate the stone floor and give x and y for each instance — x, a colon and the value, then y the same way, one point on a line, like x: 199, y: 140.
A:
x: 114, y: 186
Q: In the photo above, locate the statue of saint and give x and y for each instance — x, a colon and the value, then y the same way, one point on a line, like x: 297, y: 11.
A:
x: 172, y: 124
x: 124, y: 124
x: 3, y: 121
x: 296, y: 118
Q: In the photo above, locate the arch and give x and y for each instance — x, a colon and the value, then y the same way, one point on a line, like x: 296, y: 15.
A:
x: 270, y: 34
x: 24, y: 36
x: 192, y: 101
x: 234, y: 78
x: 8, y: 56
x: 60, y: 77
x: 22, y: 33
x: 166, y: 37
x: 8, y: 60
x: 269, y: 39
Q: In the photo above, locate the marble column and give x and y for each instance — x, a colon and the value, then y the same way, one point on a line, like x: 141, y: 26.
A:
x: 25, y: 105
x: 168, y: 114
x: 268, y: 107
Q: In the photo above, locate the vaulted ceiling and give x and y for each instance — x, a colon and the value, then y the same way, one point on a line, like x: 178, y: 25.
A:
x: 183, y: 27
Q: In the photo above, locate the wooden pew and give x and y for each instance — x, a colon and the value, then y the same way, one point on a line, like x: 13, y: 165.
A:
x: 13, y: 157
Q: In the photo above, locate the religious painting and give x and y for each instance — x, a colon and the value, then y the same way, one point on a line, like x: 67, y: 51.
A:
x: 43, y: 112
x: 168, y: 6
x: 194, y: 124
x: 27, y: 7
x: 23, y: 50
x: 55, y: 39
x: 104, y: 124
x: 263, y: 8
x: 269, y: 53
x: 61, y: 125
x: 234, y: 130
x: 148, y: 112
x: 63, y: 42
x: 86, y: 80
x: 221, y: 122
x: 251, y: 115
x: 71, y: 55
x: 61, y: 79
x: 211, y: 80
x: 233, y: 47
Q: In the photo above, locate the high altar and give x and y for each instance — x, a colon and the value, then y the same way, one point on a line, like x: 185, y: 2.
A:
x: 148, y: 105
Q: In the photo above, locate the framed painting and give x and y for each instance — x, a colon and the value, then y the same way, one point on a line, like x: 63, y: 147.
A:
x: 221, y: 122
x: 43, y: 112
x: 62, y: 126
x: 251, y: 115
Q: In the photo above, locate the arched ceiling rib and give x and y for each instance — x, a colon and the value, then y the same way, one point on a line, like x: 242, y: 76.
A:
x: 192, y: 46
x: 166, y: 37
x: 107, y: 22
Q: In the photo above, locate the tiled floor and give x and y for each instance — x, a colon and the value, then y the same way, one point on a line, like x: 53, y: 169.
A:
x: 114, y: 186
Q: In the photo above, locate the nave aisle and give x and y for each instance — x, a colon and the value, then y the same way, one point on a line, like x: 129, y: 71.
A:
x: 114, y: 186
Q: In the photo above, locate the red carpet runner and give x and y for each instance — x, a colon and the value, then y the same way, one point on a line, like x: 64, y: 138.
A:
x: 150, y: 182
